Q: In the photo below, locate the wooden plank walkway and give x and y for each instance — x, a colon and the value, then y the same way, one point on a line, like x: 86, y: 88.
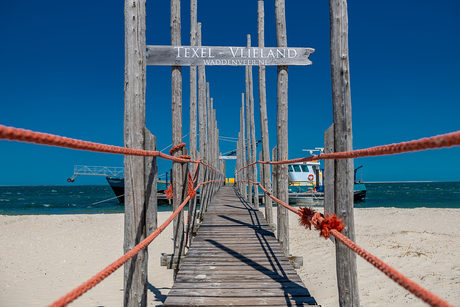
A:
x: 236, y: 260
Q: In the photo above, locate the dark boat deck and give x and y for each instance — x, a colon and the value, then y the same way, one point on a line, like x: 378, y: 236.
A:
x: 236, y: 260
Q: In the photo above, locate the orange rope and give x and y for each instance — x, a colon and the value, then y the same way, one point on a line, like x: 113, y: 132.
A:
x: 22, y: 135
x: 169, y: 191
x: 178, y: 146
x: 80, y: 290
x: 333, y: 226
x: 439, y: 141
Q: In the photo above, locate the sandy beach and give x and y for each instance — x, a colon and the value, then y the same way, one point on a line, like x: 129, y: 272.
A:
x: 45, y: 256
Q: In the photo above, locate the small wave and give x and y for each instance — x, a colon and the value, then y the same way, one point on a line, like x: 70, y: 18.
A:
x: 54, y: 191
x: 3, y: 199
x: 46, y: 205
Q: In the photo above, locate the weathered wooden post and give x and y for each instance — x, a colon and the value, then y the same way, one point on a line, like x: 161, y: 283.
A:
x: 345, y: 259
x: 275, y: 180
x: 151, y: 173
x: 135, y: 270
x: 176, y: 104
x: 193, y: 115
x: 244, y: 148
x: 238, y: 163
x: 202, y: 120
x: 282, y: 130
x: 250, y: 95
x: 274, y: 171
x: 248, y: 133
x: 329, y: 171
x: 207, y: 172
x: 266, y: 182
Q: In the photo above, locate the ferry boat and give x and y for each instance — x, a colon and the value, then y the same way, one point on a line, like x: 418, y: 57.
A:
x: 305, y: 182
x: 115, y: 178
x: 359, y: 187
x: 118, y: 186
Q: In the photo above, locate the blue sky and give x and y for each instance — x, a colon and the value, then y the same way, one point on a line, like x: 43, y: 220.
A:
x: 63, y: 63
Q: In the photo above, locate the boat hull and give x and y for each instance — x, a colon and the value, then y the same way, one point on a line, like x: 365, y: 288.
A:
x: 118, y: 187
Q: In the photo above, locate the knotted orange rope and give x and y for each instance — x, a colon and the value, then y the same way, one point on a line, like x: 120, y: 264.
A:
x: 190, y: 191
x: 169, y: 191
x: 171, y: 152
x: 178, y: 146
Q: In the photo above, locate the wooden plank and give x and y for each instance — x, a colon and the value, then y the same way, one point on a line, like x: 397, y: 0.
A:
x: 250, y: 301
x: 292, y: 292
x: 242, y: 277
x: 347, y: 278
x: 253, y: 260
x: 224, y: 263
x: 226, y: 56
x: 135, y: 270
x: 248, y: 271
x: 241, y: 285
x: 235, y: 245
x: 242, y: 254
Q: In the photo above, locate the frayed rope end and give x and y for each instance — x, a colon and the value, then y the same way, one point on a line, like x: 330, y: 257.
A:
x: 308, y: 217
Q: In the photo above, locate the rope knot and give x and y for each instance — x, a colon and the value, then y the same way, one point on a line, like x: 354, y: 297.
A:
x: 190, y: 191
x: 308, y: 216
x: 178, y: 146
x: 169, y: 191
x: 328, y: 223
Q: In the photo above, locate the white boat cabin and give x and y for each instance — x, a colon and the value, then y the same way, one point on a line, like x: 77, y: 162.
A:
x: 305, y: 173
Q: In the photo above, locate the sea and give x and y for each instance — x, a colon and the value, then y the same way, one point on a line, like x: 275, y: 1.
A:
x: 100, y: 199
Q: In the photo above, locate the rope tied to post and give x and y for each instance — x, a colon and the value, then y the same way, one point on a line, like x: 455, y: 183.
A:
x: 190, y: 191
x: 325, y: 224
x: 177, y: 147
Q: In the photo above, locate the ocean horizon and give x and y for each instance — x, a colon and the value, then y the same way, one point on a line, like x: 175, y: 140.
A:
x: 100, y: 199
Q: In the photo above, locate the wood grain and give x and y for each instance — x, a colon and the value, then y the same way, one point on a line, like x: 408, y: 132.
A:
x: 135, y: 270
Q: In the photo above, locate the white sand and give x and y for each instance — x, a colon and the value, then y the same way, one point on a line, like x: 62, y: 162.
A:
x: 44, y: 257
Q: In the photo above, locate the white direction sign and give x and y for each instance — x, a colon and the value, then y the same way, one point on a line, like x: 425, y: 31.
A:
x: 227, y: 157
x: 227, y: 56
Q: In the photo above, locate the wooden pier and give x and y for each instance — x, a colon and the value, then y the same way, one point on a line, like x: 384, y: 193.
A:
x: 236, y: 260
